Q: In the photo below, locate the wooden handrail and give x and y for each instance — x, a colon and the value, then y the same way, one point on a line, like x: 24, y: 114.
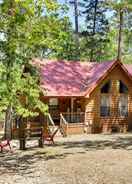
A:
x: 50, y: 120
x: 74, y: 117
x: 74, y: 113
x: 63, y: 125
x: 64, y: 120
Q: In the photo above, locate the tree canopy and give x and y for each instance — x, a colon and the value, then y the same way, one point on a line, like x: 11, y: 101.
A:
x: 28, y: 29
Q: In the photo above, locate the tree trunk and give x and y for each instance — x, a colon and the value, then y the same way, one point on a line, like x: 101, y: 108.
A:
x: 120, y: 36
x: 22, y: 136
x: 91, y: 54
x: 94, y: 30
x: 76, y: 16
x: 75, y: 4
x: 76, y: 28
x: 8, y: 123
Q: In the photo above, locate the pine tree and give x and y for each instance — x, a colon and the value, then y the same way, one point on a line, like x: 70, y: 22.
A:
x: 96, y: 27
x: 75, y: 4
x: 127, y: 55
x: 120, y: 8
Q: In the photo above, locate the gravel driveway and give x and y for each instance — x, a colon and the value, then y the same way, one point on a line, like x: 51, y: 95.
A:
x: 81, y: 159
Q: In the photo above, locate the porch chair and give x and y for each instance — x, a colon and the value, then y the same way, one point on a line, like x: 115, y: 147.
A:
x: 49, y: 136
x: 5, y: 143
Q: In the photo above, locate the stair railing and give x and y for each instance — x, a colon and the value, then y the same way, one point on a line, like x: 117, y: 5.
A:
x: 63, y: 126
x: 50, y: 122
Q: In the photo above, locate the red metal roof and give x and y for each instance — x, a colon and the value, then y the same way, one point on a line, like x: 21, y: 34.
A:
x: 129, y: 68
x: 71, y: 78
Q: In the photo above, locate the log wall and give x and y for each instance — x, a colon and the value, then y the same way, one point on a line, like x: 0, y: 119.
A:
x: 92, y: 104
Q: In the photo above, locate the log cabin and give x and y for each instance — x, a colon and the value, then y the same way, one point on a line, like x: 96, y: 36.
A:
x: 87, y: 97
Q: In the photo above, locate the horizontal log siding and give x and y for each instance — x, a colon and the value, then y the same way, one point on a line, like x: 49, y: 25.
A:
x: 92, y: 104
x: 75, y: 128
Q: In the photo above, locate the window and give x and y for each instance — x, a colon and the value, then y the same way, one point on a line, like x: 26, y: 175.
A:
x: 123, y: 105
x: 122, y: 87
x: 53, y: 103
x: 105, y: 100
x: 105, y: 106
x: 106, y: 87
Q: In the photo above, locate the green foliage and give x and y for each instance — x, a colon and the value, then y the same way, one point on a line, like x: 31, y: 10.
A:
x: 28, y: 29
x: 99, y: 40
x: 21, y: 92
x: 66, y: 44
x: 124, y: 6
x: 96, y: 27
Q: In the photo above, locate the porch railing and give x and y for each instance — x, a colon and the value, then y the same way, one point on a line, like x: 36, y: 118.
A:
x: 74, y: 117
x: 50, y: 122
x: 63, y: 125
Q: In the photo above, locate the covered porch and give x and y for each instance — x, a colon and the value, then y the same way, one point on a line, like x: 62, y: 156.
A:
x: 68, y: 113
x: 72, y: 109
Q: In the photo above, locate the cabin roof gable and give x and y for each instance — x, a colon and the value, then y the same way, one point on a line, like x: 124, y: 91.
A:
x: 74, y: 78
x: 126, y: 68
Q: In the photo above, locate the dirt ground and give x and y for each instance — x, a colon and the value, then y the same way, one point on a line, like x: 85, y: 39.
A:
x: 81, y: 159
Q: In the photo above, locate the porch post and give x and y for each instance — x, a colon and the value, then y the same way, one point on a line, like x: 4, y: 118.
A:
x: 72, y: 104
x: 72, y: 109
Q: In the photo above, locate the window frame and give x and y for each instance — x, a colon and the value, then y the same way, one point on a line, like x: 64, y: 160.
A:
x: 104, y: 85
x: 125, y: 87
x: 119, y: 112
x: 109, y: 111
x: 53, y: 106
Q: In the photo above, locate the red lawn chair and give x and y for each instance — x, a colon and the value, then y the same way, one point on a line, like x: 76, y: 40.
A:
x: 48, y: 136
x: 5, y: 143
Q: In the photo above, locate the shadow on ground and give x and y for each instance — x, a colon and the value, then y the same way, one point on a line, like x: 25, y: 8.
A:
x: 24, y: 162
x: 115, y: 143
